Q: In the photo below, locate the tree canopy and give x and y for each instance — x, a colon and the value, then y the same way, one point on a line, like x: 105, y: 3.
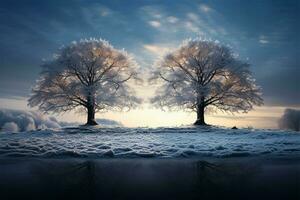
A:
x: 89, y: 74
x: 201, y: 74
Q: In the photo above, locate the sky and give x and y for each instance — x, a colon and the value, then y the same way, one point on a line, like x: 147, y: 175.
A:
x: 263, y: 32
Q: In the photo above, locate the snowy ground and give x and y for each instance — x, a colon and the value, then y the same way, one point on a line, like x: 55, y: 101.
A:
x: 188, y: 142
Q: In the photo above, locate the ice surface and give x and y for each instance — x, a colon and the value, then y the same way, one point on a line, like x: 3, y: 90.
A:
x: 192, y: 142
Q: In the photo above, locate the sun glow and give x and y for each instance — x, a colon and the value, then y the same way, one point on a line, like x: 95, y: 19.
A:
x: 147, y: 116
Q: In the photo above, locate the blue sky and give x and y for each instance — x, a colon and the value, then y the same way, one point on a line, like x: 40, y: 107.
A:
x: 265, y: 32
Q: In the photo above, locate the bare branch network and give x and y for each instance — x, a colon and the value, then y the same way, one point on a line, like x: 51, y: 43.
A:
x: 91, y: 74
x: 202, y: 73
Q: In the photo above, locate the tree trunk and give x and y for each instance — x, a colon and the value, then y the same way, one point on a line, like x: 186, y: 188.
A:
x: 90, y: 112
x: 200, y: 113
x: 91, y: 116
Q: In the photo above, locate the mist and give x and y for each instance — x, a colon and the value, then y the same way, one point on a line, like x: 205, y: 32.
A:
x: 290, y: 120
x: 22, y: 120
x: 19, y: 120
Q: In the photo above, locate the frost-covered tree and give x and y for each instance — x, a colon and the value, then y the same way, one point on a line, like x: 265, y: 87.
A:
x: 89, y: 74
x: 203, y: 74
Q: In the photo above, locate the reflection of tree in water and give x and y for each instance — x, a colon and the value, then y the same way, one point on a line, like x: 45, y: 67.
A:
x: 75, y: 181
x: 206, y: 173
x: 88, y: 177
x: 213, y: 181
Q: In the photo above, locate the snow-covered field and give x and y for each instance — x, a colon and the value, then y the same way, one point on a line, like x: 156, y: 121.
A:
x: 178, y: 142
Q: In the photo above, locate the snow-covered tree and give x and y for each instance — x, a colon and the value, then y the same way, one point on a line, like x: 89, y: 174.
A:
x: 89, y: 74
x: 203, y: 74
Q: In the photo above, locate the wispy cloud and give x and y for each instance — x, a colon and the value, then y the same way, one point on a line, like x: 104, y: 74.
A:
x: 152, y: 15
x: 263, y: 39
x: 154, y: 23
x: 205, y: 8
x: 193, y: 16
x: 157, y: 49
x: 192, y: 23
x: 172, y: 19
x: 192, y: 27
x: 197, y: 24
x: 105, y: 11
x: 152, y: 11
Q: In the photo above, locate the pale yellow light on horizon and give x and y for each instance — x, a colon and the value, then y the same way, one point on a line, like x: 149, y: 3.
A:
x: 260, y: 117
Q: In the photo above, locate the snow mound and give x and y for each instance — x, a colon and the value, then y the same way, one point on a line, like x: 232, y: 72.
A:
x: 22, y: 120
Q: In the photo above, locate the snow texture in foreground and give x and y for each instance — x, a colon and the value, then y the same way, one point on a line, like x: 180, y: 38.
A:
x: 146, y: 142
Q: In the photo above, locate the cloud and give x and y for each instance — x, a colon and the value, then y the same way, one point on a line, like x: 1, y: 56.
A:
x: 205, y: 8
x: 195, y: 24
x: 193, y: 16
x: 192, y: 27
x: 104, y: 11
x: 156, y: 49
x: 290, y: 120
x: 155, y: 24
x: 20, y: 120
x: 152, y: 11
x: 172, y: 19
x: 189, y: 23
x: 263, y: 39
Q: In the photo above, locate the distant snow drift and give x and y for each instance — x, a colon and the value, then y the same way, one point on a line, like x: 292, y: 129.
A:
x: 290, y: 120
x: 20, y: 120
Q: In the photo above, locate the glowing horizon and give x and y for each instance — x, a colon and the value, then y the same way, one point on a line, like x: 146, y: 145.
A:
x: 147, y: 116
